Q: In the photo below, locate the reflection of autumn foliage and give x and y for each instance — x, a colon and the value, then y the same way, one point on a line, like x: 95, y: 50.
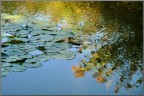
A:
x: 105, y: 63
x: 100, y: 79
x: 78, y: 71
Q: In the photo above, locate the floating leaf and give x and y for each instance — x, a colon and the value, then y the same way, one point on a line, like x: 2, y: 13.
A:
x: 15, y: 41
x: 12, y: 28
x: 42, y: 38
x: 13, y: 59
x: 32, y: 65
x: 21, y: 39
x: 14, y: 51
x: 58, y: 38
x: 4, y: 72
x: 27, y: 47
x: 3, y: 55
x: 26, y: 56
x: 37, y: 32
x: 42, y: 58
x: 22, y: 68
x: 64, y: 55
x: 62, y: 45
x: 5, y: 64
x: 33, y: 60
x: 23, y: 33
x: 16, y: 69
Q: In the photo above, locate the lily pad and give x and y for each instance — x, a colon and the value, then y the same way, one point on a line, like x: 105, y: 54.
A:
x: 69, y: 34
x: 4, y: 72
x: 58, y: 38
x: 4, y: 64
x: 14, y: 41
x: 22, y: 33
x: 64, y: 55
x: 16, y: 68
x: 33, y: 60
x: 53, y: 49
x: 32, y: 65
x: 6, y: 34
x: 27, y: 47
x: 51, y: 29
x: 3, y: 55
x: 42, y: 38
x: 13, y: 51
x: 26, y: 56
x: 62, y: 45
x: 12, y: 28
x: 13, y: 59
x: 21, y: 39
x: 42, y: 58
x: 37, y: 32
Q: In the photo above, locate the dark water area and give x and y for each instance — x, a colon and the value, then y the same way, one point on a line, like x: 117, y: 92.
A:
x: 72, y: 48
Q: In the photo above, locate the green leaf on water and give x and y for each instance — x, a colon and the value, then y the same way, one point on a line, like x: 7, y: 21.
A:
x: 38, y: 32
x: 32, y: 60
x: 13, y: 59
x: 64, y: 55
x: 12, y: 28
x: 62, y: 45
x: 32, y: 65
x: 16, y: 68
x: 5, y: 64
x: 42, y: 38
x: 26, y: 56
x: 4, y: 72
x: 42, y: 58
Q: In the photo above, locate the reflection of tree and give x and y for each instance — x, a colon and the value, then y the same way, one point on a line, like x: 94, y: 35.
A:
x: 108, y: 60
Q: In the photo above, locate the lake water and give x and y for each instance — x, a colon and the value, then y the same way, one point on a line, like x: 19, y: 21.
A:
x: 61, y: 76
x: 56, y: 77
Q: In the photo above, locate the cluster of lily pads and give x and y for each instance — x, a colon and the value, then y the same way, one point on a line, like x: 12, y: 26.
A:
x: 26, y: 47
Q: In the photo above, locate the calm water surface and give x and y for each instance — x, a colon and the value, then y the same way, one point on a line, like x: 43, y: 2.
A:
x: 55, y: 76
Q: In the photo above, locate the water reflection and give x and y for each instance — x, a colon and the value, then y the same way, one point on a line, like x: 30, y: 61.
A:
x: 111, y: 46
